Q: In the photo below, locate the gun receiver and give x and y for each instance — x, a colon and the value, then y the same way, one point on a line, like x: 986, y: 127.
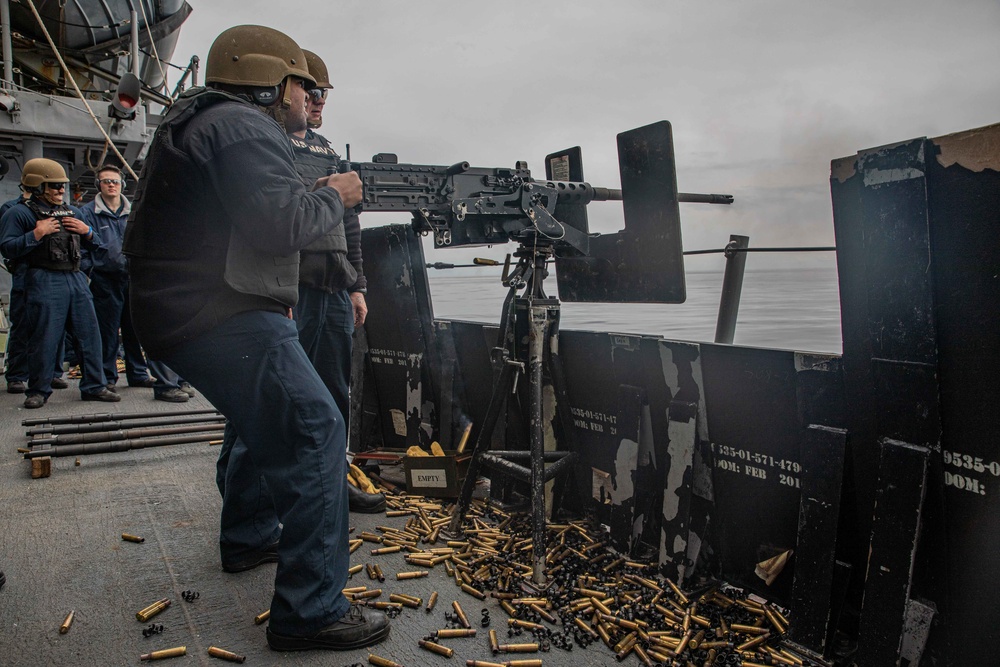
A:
x: 468, y: 206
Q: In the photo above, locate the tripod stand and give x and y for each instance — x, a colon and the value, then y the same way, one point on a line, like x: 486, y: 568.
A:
x: 532, y: 318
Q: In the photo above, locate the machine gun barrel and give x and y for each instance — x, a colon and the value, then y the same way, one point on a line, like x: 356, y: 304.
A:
x: 689, y: 198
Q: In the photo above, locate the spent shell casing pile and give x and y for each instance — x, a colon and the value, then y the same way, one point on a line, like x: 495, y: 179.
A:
x: 594, y: 594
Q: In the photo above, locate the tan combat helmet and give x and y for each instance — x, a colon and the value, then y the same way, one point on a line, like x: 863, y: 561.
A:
x: 254, y: 55
x: 318, y: 69
x: 39, y: 171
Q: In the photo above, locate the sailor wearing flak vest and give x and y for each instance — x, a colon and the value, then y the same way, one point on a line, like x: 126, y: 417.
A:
x: 218, y: 219
x: 46, y: 234
x: 332, y: 283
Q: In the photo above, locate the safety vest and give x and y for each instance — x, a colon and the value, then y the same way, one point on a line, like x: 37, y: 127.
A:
x: 177, y: 218
x: 59, y: 251
x: 313, y: 161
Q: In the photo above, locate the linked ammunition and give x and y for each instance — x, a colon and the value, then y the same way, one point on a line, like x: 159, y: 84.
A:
x: 64, y: 628
x: 261, y: 617
x: 381, y: 662
x: 222, y: 653
x: 416, y: 574
x: 152, y: 610
x: 449, y: 633
x: 436, y: 648
x: 165, y: 653
x: 133, y: 538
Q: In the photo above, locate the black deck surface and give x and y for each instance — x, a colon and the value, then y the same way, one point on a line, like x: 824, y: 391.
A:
x: 61, y: 550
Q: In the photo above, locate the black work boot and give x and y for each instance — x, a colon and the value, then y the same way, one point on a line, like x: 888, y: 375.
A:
x: 102, y: 395
x: 364, y: 503
x: 269, y: 554
x: 358, y: 628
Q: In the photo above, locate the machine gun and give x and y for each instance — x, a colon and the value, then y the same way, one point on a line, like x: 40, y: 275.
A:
x: 469, y: 206
x: 463, y: 205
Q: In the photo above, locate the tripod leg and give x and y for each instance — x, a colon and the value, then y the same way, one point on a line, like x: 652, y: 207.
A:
x: 497, y: 401
x: 539, y: 318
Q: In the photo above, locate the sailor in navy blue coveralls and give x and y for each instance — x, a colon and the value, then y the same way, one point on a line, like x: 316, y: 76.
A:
x: 57, y: 295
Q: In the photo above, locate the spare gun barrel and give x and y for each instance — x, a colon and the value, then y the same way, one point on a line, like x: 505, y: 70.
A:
x: 108, y: 416
x: 118, y: 425
x: 119, y: 445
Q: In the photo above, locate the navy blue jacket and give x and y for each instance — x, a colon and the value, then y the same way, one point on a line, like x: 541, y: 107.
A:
x: 110, y: 225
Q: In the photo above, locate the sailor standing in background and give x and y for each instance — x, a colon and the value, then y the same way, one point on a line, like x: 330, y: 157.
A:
x: 332, y: 284
x: 47, y: 235
x: 108, y: 214
x: 218, y: 219
x: 16, y: 372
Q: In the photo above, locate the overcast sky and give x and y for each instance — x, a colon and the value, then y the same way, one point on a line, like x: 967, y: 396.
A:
x: 762, y: 95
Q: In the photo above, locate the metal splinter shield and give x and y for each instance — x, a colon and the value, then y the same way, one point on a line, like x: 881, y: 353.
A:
x: 643, y: 263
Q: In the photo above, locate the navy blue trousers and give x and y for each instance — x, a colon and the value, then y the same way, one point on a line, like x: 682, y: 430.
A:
x: 326, y: 329
x: 59, y: 301
x: 286, y: 462
x: 17, y: 334
x: 110, y: 293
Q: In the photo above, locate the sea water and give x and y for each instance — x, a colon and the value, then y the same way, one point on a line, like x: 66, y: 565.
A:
x: 787, y: 308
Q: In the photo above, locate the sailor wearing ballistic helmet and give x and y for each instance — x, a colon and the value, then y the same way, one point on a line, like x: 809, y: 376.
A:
x: 47, y: 234
x: 220, y: 170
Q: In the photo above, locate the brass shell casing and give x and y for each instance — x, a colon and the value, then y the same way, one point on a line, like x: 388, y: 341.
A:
x: 222, y: 653
x: 64, y: 628
x: 436, y: 648
x: 152, y: 610
x: 165, y: 653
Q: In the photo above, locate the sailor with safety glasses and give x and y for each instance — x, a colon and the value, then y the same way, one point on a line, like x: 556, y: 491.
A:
x: 47, y: 234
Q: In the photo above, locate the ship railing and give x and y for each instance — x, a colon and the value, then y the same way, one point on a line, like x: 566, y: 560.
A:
x: 732, y: 281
